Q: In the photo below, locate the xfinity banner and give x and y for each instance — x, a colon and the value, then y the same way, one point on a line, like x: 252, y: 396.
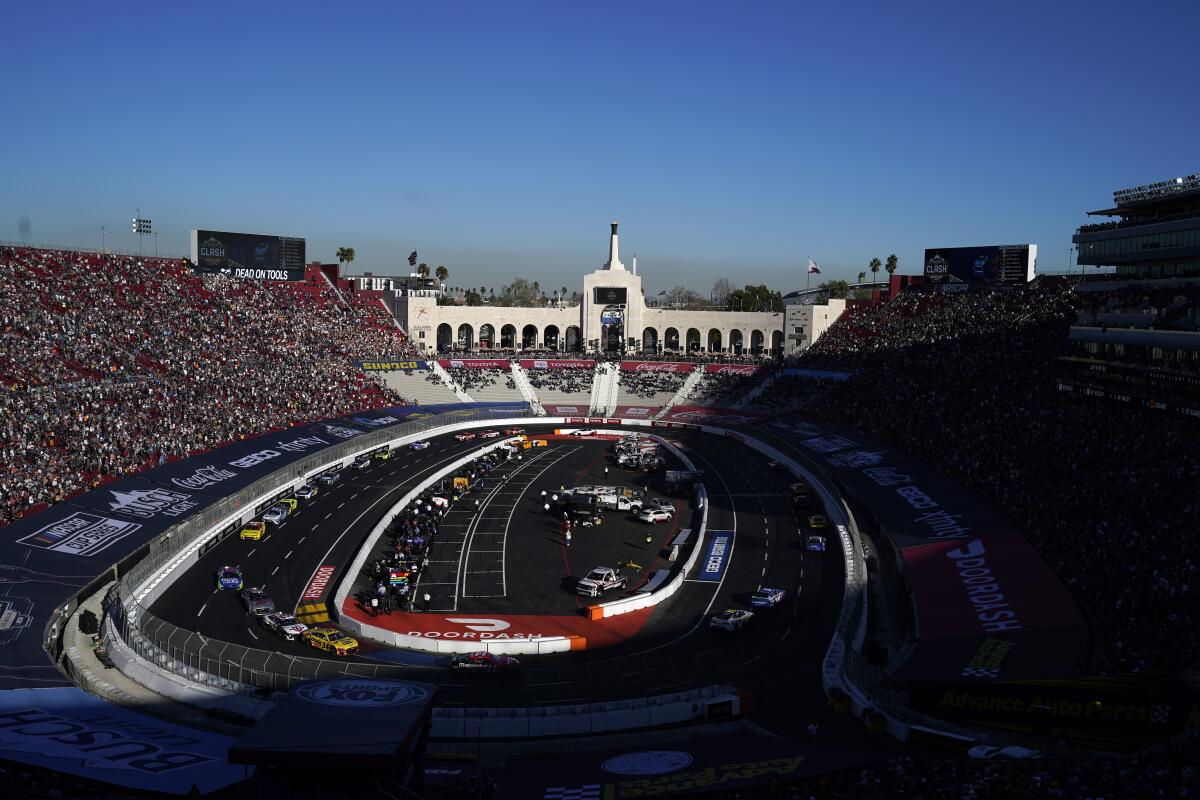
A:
x: 657, y: 366
x: 68, y: 730
x: 552, y: 363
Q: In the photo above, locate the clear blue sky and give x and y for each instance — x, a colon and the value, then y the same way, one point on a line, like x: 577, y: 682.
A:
x: 731, y: 139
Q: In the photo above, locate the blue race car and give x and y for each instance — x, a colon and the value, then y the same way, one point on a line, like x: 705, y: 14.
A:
x: 816, y: 544
x: 419, y: 445
x: 766, y: 597
x: 230, y: 579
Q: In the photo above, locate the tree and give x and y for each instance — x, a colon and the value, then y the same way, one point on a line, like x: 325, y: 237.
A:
x: 754, y: 298
x: 412, y: 258
x: 836, y: 289
x: 442, y: 273
x: 474, y: 298
x: 874, y: 267
x: 721, y: 291
x: 683, y: 297
x: 345, y: 255
x: 862, y: 276
x: 892, y: 264
x: 423, y: 270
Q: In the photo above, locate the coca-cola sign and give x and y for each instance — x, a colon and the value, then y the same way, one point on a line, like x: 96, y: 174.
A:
x: 656, y: 366
x: 731, y: 369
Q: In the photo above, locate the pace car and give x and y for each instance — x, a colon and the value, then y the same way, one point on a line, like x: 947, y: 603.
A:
x: 256, y: 601
x: 483, y: 661
x: 765, y: 597
x: 253, y: 530
x: 489, y: 434
x: 731, y: 619
x: 419, y: 445
x: 276, y: 514
x: 465, y: 436
x: 284, y: 624
x: 653, y: 515
x: 331, y: 640
x: 817, y: 521
x: 816, y: 544
x: 230, y: 579
x: 306, y: 492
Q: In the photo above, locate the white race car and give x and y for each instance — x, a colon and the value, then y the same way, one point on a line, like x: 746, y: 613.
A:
x: 465, y: 436
x: 307, y: 492
x: 275, y: 515
x: 766, y: 597
x: 284, y: 624
x: 418, y: 445
x: 731, y: 619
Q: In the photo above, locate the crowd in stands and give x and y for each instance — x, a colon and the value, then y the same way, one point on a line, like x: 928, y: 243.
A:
x: 471, y: 378
x: 1164, y: 305
x: 113, y: 363
x: 1167, y: 772
x: 719, y: 389
x: 788, y: 392
x: 646, y: 384
x: 1108, y: 494
x: 563, y: 379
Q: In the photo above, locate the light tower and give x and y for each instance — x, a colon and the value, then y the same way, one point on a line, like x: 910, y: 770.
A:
x: 142, y: 227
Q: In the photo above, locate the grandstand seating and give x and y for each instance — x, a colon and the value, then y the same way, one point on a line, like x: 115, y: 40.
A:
x: 568, y: 386
x: 113, y: 363
x: 719, y: 390
x: 416, y: 386
x: 648, y: 388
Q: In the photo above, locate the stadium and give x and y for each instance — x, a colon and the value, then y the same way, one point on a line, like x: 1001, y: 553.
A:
x: 814, y: 567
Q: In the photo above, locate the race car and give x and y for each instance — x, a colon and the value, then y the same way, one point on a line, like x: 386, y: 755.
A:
x: 230, y: 579
x: 284, y: 624
x: 816, y: 544
x: 253, y: 530
x: 483, y: 661
x: 817, y: 521
x: 765, y: 597
x: 276, y: 514
x: 465, y: 436
x: 418, y: 445
x: 329, y: 478
x: 775, y: 465
x: 731, y: 619
x: 513, y: 431
x: 583, y: 432
x: 290, y: 503
x: 1012, y: 751
x: 331, y: 640
x: 383, y: 455
x: 256, y: 601
x: 653, y: 515
x: 306, y: 492
x: 489, y: 434
x: 361, y: 463
x: 534, y: 443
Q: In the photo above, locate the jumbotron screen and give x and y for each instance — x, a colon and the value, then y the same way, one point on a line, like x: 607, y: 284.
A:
x: 254, y: 256
x: 957, y: 269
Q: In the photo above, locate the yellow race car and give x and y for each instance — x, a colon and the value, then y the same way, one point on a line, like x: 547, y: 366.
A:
x: 290, y: 502
x: 331, y: 640
x: 254, y: 530
x: 817, y: 521
x: 383, y: 455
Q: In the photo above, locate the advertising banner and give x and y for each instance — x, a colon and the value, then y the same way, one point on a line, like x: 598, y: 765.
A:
x: 732, y: 369
x: 68, y: 730
x: 716, y: 558
x: 473, y: 363
x: 657, y: 366
x: 637, y: 412
x: 387, y: 365
x: 707, y: 415
x: 560, y: 410
x: 551, y: 363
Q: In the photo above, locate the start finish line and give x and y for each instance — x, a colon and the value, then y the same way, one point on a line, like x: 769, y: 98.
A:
x: 716, y: 557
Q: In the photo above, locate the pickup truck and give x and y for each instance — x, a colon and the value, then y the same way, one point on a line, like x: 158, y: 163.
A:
x: 619, y: 502
x: 599, y: 581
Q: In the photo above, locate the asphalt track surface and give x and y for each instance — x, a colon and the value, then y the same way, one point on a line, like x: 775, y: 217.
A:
x: 776, y: 659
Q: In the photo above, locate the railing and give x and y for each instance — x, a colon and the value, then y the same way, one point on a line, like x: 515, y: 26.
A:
x: 106, y: 251
x: 221, y: 664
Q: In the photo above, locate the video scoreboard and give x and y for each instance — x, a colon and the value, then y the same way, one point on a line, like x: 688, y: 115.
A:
x: 958, y: 269
x: 251, y: 256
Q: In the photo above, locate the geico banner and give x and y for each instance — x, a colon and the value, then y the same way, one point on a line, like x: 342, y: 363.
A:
x: 68, y: 730
x: 551, y: 363
x: 731, y: 369
x: 385, y: 365
x: 473, y: 363
x: 656, y: 366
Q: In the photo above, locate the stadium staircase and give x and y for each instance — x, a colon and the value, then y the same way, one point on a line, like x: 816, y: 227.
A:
x: 522, y: 382
x: 604, y: 388
x: 756, y: 391
x: 684, y: 391
x: 440, y: 371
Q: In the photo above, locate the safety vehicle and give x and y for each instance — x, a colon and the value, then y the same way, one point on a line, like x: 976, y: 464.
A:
x: 599, y: 581
x: 655, y: 515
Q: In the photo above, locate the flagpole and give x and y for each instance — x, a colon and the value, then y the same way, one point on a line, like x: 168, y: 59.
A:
x: 807, y: 274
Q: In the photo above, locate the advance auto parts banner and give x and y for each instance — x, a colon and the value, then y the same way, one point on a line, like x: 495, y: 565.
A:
x: 551, y: 363
x: 657, y: 366
x: 69, y: 730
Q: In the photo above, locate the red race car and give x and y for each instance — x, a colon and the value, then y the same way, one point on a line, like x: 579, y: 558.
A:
x: 465, y: 436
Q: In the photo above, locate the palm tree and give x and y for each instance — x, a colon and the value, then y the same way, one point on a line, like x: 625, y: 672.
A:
x: 345, y: 255
x: 892, y: 264
x: 874, y: 266
x: 563, y: 293
x: 423, y: 270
